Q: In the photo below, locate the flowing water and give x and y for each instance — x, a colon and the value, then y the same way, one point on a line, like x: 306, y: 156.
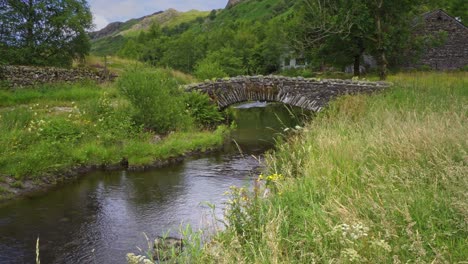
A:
x: 102, y: 216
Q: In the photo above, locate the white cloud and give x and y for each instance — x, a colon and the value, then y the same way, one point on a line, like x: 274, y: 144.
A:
x: 99, y: 21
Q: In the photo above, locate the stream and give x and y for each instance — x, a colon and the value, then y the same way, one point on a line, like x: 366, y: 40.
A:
x: 102, y: 216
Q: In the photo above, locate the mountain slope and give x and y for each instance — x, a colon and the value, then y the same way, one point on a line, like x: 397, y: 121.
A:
x: 110, y: 39
x: 117, y: 27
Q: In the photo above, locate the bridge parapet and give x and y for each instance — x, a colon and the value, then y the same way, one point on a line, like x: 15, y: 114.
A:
x: 308, y: 93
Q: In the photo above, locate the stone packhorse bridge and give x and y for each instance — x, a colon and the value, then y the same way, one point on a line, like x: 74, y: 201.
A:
x: 312, y: 94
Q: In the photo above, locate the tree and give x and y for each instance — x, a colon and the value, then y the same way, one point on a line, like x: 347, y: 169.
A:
x: 381, y: 27
x: 44, y: 32
x: 182, y: 53
x: 393, y: 20
x: 226, y: 60
x: 348, y: 46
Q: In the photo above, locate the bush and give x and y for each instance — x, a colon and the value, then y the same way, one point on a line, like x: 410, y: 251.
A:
x: 156, y: 98
x: 203, y: 111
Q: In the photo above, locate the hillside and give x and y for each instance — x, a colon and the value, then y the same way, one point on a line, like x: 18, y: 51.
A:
x: 117, y: 27
x: 256, y: 10
x: 112, y: 38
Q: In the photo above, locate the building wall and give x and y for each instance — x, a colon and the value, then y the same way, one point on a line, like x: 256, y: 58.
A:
x: 453, y: 53
x: 292, y: 62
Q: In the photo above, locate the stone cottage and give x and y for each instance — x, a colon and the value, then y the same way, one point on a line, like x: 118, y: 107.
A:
x: 452, y: 52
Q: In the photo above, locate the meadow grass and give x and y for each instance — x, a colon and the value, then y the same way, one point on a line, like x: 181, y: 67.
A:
x: 113, y: 63
x: 52, y: 94
x: 49, y: 129
x: 372, y: 179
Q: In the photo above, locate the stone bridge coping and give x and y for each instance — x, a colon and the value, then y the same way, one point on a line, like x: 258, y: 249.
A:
x: 308, y: 93
x: 277, y: 79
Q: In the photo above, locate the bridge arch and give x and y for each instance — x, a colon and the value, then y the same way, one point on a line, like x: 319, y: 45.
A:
x: 308, y: 93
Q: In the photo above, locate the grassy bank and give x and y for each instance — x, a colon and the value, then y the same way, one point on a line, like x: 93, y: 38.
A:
x: 49, y: 129
x: 373, y: 179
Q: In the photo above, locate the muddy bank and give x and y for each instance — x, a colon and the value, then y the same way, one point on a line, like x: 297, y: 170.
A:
x: 11, y: 188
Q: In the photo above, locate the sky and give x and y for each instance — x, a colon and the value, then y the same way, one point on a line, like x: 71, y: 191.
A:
x: 107, y: 11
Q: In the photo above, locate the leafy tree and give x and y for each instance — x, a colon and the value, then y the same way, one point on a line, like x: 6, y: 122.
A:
x: 381, y: 27
x: 206, y: 69
x: 393, y: 20
x: 182, y: 53
x: 44, y: 32
x: 131, y: 50
x: 455, y: 8
x: 228, y: 61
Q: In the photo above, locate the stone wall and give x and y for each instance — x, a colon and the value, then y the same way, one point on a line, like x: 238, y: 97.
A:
x: 453, y: 53
x: 311, y: 94
x: 22, y: 76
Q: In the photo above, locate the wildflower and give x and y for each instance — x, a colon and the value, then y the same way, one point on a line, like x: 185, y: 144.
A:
x: 352, y: 255
x: 260, y: 177
x: 382, y: 244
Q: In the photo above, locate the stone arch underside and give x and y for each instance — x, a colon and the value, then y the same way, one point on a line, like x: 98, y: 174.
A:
x: 310, y: 94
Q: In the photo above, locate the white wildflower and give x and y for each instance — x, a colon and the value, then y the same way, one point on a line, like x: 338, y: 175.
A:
x: 382, y: 244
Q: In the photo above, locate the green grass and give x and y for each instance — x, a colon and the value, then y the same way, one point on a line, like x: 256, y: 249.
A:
x: 51, y: 94
x: 373, y: 179
x: 50, y: 129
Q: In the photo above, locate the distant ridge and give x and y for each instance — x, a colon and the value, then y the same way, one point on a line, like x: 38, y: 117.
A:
x: 116, y: 27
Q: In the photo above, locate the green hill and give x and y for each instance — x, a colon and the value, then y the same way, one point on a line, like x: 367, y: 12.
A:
x: 110, y: 39
x: 247, y: 37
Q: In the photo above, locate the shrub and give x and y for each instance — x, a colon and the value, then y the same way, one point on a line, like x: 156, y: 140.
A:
x: 156, y: 98
x: 203, y: 111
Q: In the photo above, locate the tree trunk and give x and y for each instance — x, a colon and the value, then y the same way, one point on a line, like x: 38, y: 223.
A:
x: 357, y: 65
x: 382, y: 65
x: 382, y: 59
x: 30, y: 25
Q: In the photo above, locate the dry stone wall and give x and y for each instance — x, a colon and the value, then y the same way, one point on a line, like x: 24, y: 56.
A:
x: 23, y: 76
x: 311, y: 94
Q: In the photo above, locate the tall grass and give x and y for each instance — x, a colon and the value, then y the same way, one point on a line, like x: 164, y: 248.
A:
x: 374, y: 179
